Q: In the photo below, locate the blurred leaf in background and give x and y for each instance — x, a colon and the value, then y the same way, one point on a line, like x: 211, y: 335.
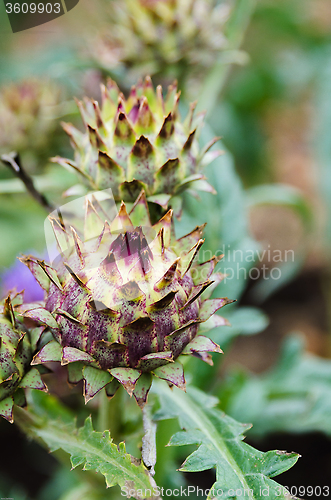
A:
x: 286, y: 41
x: 294, y: 396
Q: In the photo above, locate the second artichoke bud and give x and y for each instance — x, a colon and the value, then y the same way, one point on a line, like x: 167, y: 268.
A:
x: 140, y: 143
x: 18, y: 344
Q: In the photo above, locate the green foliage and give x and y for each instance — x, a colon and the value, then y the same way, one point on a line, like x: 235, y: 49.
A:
x: 227, y: 222
x: 243, y: 321
x: 295, y: 396
x: 94, y: 450
x: 220, y: 445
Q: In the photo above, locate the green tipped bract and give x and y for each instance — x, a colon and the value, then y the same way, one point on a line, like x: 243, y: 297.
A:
x: 139, y: 143
x: 126, y: 304
x: 17, y: 347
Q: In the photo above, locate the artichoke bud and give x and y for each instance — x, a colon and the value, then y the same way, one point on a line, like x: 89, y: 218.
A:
x: 139, y: 143
x: 183, y: 36
x: 27, y: 116
x: 126, y: 303
x: 17, y: 347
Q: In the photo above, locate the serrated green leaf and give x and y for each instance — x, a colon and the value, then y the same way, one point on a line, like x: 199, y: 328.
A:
x: 220, y: 444
x: 95, y: 451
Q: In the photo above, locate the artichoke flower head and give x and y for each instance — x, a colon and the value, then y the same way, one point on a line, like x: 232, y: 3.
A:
x: 167, y: 38
x: 125, y: 300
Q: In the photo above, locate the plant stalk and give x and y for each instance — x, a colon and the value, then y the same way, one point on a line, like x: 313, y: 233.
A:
x: 12, y: 161
x: 148, y: 451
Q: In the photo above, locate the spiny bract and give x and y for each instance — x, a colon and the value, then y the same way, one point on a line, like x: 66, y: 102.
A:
x: 139, y: 143
x: 17, y: 347
x: 128, y: 301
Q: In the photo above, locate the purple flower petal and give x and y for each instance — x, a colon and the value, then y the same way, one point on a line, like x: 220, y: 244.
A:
x: 18, y: 277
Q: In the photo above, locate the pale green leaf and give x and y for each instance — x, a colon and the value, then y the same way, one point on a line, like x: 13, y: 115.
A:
x: 220, y: 445
x: 93, y: 450
x: 96, y: 451
x: 246, y: 321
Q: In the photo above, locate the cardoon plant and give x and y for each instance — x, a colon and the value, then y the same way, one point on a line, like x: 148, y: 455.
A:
x: 125, y: 304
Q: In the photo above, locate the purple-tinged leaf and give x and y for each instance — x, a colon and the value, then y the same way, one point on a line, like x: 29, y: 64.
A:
x: 210, y: 306
x: 50, y: 352
x: 71, y: 354
x: 94, y: 381
x: 200, y: 346
x: 36, y: 272
x: 127, y: 377
x: 150, y: 362
x: 42, y: 316
x: 172, y: 373
x: 33, y: 380
x: 142, y: 388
